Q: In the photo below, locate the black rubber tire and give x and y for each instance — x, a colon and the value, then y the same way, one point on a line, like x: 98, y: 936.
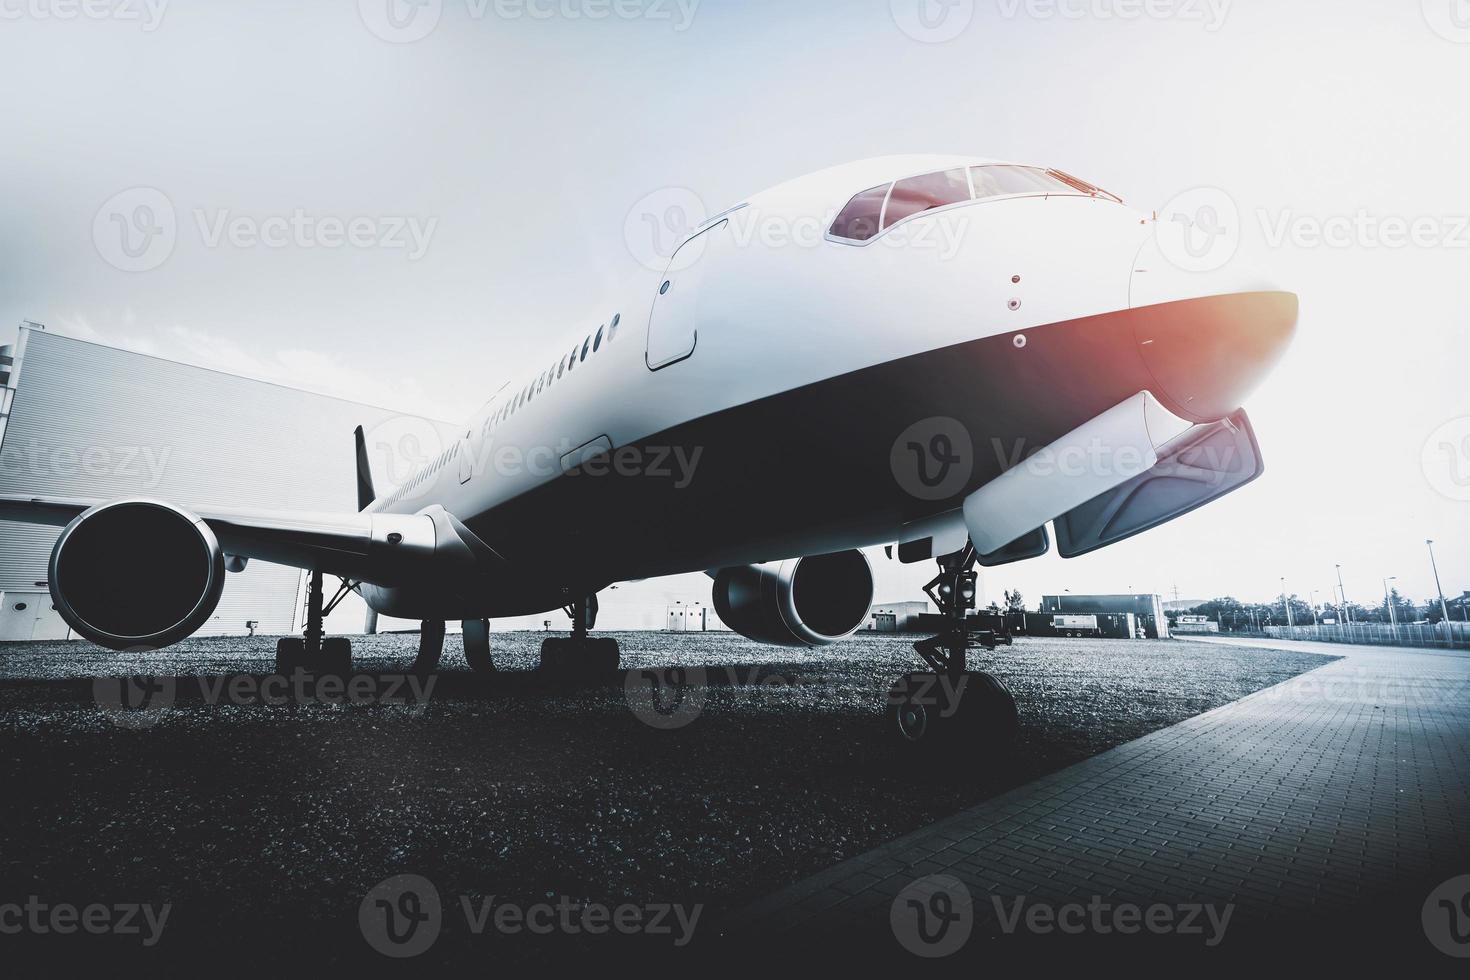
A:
x: 336, y: 657
x: 603, y: 655
x: 290, y: 654
x: 592, y: 657
x: 431, y: 646
x: 477, y: 646
x: 987, y: 711
x: 940, y: 719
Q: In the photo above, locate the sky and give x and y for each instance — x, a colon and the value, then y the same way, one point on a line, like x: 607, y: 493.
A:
x: 409, y: 203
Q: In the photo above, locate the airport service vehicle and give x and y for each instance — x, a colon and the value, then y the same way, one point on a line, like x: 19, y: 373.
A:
x: 925, y: 372
x: 1075, y: 625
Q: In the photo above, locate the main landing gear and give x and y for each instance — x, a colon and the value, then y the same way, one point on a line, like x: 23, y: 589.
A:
x: 951, y: 707
x: 315, y: 652
x: 476, y: 646
x: 580, y: 655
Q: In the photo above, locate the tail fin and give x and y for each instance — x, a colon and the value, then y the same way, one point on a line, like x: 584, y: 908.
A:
x: 365, y: 493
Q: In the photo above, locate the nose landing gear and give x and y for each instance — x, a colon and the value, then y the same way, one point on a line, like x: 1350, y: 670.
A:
x: 949, y: 707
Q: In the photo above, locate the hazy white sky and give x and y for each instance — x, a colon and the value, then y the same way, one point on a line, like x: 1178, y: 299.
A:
x: 516, y: 137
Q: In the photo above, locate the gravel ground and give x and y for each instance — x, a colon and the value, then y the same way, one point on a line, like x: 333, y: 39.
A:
x: 264, y: 825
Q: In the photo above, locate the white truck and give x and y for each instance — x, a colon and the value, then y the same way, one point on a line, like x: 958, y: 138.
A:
x: 1075, y: 625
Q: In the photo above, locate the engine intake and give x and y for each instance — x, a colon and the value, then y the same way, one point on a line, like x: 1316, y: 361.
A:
x: 800, y: 602
x: 136, y: 574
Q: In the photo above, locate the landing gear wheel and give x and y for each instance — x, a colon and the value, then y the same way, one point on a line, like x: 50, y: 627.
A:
x: 335, y: 656
x: 579, y: 657
x: 290, y: 654
x: 477, y: 646
x: 969, y: 713
x: 431, y: 646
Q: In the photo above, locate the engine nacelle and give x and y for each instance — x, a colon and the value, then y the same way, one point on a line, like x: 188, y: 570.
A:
x: 800, y: 602
x: 136, y: 574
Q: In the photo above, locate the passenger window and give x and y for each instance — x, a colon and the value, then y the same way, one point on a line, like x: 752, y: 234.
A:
x: 918, y: 194
x: 612, y: 328
x: 860, y: 219
x: 597, y: 342
x: 585, y: 344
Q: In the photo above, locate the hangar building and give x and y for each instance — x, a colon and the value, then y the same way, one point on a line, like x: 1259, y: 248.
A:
x: 79, y: 419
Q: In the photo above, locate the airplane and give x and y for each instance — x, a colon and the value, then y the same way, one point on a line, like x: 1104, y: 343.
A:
x: 970, y: 359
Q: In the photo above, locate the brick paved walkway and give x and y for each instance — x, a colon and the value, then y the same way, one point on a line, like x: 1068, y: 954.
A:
x: 1318, y: 796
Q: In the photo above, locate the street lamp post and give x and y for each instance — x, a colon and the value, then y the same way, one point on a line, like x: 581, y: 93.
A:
x: 1388, y: 600
x: 1312, y: 594
x: 1286, y: 603
x: 1443, y: 610
x: 1347, y: 614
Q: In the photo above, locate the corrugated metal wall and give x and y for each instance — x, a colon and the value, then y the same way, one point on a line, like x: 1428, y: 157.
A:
x: 93, y: 421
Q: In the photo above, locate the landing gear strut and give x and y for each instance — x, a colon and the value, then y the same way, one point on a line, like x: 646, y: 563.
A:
x: 580, y: 654
x: 950, y: 707
x: 476, y: 646
x: 315, y: 652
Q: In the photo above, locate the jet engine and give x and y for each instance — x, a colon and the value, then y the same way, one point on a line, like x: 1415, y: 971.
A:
x: 800, y: 602
x: 136, y: 574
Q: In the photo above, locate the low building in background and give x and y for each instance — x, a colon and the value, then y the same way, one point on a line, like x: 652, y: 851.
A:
x: 692, y: 617
x: 1147, y: 610
x: 896, y: 617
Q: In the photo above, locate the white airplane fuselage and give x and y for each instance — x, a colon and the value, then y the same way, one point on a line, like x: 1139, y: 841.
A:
x: 747, y: 410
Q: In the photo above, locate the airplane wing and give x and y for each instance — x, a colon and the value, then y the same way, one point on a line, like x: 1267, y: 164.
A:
x: 381, y: 548
x: 143, y: 573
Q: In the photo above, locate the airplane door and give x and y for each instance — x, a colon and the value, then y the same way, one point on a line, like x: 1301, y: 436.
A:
x: 673, y: 327
x: 466, y: 459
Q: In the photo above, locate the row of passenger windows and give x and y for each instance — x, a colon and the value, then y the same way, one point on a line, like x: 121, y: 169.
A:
x: 879, y: 208
x: 556, y: 372
x: 591, y: 345
x: 422, y: 475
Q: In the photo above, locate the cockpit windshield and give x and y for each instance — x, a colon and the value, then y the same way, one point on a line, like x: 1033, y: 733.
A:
x: 879, y: 208
x: 1000, y: 181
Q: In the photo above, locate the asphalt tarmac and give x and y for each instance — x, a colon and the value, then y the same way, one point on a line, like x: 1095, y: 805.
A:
x: 266, y: 815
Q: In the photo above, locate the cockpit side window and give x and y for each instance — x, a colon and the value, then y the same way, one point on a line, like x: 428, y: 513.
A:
x: 918, y: 194
x: 862, y: 217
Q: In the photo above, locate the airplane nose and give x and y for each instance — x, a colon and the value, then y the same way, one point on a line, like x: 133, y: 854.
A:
x: 1208, y: 353
x: 1208, y: 337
